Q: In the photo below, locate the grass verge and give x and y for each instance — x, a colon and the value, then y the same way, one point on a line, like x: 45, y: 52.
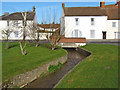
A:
x: 14, y: 63
x: 99, y: 70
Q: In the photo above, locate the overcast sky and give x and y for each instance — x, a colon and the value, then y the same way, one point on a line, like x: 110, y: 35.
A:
x: 43, y: 9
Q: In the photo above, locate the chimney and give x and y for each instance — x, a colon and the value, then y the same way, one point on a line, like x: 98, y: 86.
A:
x: 6, y: 13
x: 53, y: 22
x: 33, y: 10
x: 119, y: 4
x: 63, y: 5
x: 102, y: 4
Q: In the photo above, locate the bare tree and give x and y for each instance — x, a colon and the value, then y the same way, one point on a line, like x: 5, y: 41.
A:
x: 33, y: 34
x: 23, y: 31
x: 51, y: 35
x: 7, y: 31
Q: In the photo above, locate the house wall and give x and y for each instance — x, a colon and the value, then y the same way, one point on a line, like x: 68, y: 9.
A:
x: 110, y: 34
x: 4, y: 26
x: 85, y: 26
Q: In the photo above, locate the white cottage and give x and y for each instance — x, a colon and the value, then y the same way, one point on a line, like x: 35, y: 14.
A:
x: 14, y: 20
x: 90, y: 22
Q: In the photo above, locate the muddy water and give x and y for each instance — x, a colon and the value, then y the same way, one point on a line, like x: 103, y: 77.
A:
x: 52, y: 79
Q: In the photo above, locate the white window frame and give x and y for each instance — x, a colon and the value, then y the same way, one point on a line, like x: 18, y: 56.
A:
x: 92, y: 34
x: 117, y: 35
x: 15, y: 23
x: 16, y: 33
x: 93, y: 21
x: 8, y: 31
x: 77, y: 21
x: 8, y: 23
x: 79, y: 33
x: 113, y: 24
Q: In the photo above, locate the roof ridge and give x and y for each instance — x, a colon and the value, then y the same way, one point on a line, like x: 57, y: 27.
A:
x: 82, y: 7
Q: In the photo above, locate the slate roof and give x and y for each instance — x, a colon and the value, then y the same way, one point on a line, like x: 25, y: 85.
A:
x: 84, y: 11
x: 17, y: 16
x: 49, y: 26
x: 112, y: 11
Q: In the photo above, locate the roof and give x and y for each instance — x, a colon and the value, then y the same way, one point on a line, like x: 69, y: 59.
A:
x: 109, y: 10
x: 17, y: 16
x: 49, y: 26
x: 113, y: 13
x: 111, y: 6
x: 84, y: 11
x: 72, y: 40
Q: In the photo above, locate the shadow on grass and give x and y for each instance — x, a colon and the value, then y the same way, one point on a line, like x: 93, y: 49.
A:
x: 12, y: 46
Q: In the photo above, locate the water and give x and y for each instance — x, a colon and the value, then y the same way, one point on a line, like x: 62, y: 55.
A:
x: 52, y: 79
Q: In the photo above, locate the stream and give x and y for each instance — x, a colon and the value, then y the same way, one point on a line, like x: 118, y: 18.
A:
x: 49, y: 81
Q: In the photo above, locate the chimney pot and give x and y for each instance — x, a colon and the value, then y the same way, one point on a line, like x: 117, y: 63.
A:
x: 102, y: 4
x: 33, y: 10
x: 6, y: 13
x: 119, y: 4
x: 63, y: 5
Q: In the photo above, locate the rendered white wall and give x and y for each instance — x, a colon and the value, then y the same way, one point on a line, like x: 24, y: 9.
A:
x: 3, y: 25
x: 85, y: 25
x: 110, y: 34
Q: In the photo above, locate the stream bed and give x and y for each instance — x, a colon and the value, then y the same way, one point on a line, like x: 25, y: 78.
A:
x: 49, y: 81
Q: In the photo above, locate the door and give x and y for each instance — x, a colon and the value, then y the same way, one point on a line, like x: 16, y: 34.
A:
x: 104, y: 35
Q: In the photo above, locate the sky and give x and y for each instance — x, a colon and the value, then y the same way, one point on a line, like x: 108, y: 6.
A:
x: 45, y: 10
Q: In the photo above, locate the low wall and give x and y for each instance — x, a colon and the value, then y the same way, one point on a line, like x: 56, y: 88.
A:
x: 103, y: 40
x: 82, y: 51
x: 23, y: 79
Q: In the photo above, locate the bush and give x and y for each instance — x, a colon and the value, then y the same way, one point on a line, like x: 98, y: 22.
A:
x: 53, y: 68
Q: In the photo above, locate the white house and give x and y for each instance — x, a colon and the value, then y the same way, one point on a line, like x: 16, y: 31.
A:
x: 90, y: 22
x: 49, y: 28
x: 14, y: 21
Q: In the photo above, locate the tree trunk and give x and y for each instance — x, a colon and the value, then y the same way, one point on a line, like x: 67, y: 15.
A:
x: 22, y: 49
x: 37, y: 41
x: 37, y: 44
x: 53, y: 47
x: 7, y: 45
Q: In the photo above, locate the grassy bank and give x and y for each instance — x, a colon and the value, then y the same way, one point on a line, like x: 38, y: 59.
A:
x: 14, y: 63
x: 99, y: 70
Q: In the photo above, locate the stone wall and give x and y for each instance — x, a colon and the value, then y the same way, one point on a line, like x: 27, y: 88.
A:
x: 23, y: 79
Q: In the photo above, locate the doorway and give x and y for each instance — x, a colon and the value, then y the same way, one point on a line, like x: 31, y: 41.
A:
x: 104, y: 35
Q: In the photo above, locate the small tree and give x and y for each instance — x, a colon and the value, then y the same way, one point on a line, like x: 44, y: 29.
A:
x: 51, y: 35
x: 7, y: 31
x: 23, y: 31
x: 33, y: 33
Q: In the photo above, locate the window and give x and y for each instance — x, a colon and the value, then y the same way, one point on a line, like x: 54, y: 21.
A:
x: 92, y: 33
x: 16, y: 33
x: 8, y: 33
x: 76, y: 33
x: 15, y: 23
x: 113, y: 24
x: 23, y: 22
x: 77, y: 21
x: 92, y: 21
x: 7, y: 23
x: 117, y: 35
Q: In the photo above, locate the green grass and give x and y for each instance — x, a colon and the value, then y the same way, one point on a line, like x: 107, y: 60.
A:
x: 14, y: 63
x: 93, y: 72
